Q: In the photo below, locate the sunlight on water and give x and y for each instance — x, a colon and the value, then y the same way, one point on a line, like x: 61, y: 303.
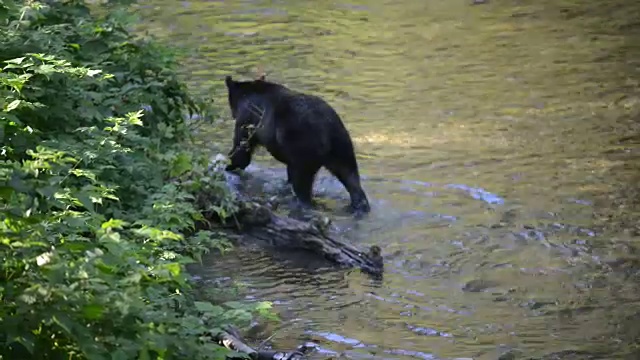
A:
x: 499, y: 147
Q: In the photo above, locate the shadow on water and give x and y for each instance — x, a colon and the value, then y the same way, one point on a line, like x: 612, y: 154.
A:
x: 498, y: 145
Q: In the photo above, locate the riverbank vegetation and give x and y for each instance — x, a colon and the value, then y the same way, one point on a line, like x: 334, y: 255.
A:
x: 98, y: 216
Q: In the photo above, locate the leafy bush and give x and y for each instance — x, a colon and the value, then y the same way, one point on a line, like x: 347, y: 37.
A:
x: 97, y: 180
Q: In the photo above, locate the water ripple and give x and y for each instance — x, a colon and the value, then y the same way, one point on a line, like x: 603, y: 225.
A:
x: 496, y: 144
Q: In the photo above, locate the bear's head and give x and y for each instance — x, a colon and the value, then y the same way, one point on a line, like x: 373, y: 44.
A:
x: 237, y: 90
x: 241, y: 95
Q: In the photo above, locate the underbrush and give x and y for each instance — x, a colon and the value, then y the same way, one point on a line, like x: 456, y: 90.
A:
x: 98, y: 181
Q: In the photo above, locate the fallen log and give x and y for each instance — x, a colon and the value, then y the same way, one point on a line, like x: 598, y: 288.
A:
x: 257, y: 222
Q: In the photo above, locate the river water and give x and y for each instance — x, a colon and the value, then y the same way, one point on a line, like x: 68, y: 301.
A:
x: 499, y: 146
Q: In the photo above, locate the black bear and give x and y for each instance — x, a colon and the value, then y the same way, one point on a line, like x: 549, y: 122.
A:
x: 300, y: 130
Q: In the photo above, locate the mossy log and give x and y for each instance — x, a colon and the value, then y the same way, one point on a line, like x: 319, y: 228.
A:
x: 258, y: 223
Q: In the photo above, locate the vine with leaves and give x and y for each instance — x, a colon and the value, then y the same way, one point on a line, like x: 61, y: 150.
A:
x: 98, y: 178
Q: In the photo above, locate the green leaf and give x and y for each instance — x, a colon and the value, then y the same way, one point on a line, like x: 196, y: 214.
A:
x: 47, y: 191
x: 119, y: 354
x: 93, y: 311
x: 76, y: 222
x: 85, y: 200
x: 18, y: 184
x: 209, y: 308
x: 15, y: 61
x: 238, y: 316
x: 84, y: 173
x: 45, y: 69
x: 204, y: 306
x: 11, y: 119
x: 181, y: 165
x: 235, y: 305
x: 144, y: 354
x: 264, y: 305
x: 264, y: 309
x: 77, y: 246
x: 27, y: 340
x: 5, y: 192
x: 106, y: 269
x: 13, y: 105
x: 113, y: 224
x: 93, y: 73
x: 174, y: 268
x: 63, y: 322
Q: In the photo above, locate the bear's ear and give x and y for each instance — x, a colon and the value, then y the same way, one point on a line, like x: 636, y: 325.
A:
x: 229, y: 81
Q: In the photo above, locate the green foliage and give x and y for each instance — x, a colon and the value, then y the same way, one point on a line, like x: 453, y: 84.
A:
x: 98, y: 212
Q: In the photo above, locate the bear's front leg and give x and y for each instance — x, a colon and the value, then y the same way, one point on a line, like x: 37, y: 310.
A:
x: 240, y: 158
x: 302, y: 178
x: 289, y: 175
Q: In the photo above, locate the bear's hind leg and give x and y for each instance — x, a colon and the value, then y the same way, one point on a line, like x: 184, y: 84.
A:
x: 350, y: 179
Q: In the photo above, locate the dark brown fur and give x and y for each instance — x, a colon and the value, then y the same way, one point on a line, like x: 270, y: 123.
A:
x: 299, y: 130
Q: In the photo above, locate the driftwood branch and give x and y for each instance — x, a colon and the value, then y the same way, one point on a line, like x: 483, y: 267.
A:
x: 231, y: 339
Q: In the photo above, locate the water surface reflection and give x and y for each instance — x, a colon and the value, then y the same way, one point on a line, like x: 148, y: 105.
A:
x: 499, y: 145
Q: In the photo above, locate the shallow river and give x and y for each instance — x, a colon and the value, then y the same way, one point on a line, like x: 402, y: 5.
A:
x: 499, y: 146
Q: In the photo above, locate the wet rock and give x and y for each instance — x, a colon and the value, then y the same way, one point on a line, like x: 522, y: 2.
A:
x: 587, y: 232
x: 509, y: 216
x: 512, y: 354
x: 483, y: 239
x: 494, y: 247
x: 499, y: 225
x: 428, y: 331
x: 575, y: 311
x: 479, y: 285
x: 502, y: 265
x: 504, y: 296
x: 536, y: 304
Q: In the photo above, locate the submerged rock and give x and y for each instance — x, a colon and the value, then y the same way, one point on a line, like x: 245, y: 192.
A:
x: 479, y: 285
